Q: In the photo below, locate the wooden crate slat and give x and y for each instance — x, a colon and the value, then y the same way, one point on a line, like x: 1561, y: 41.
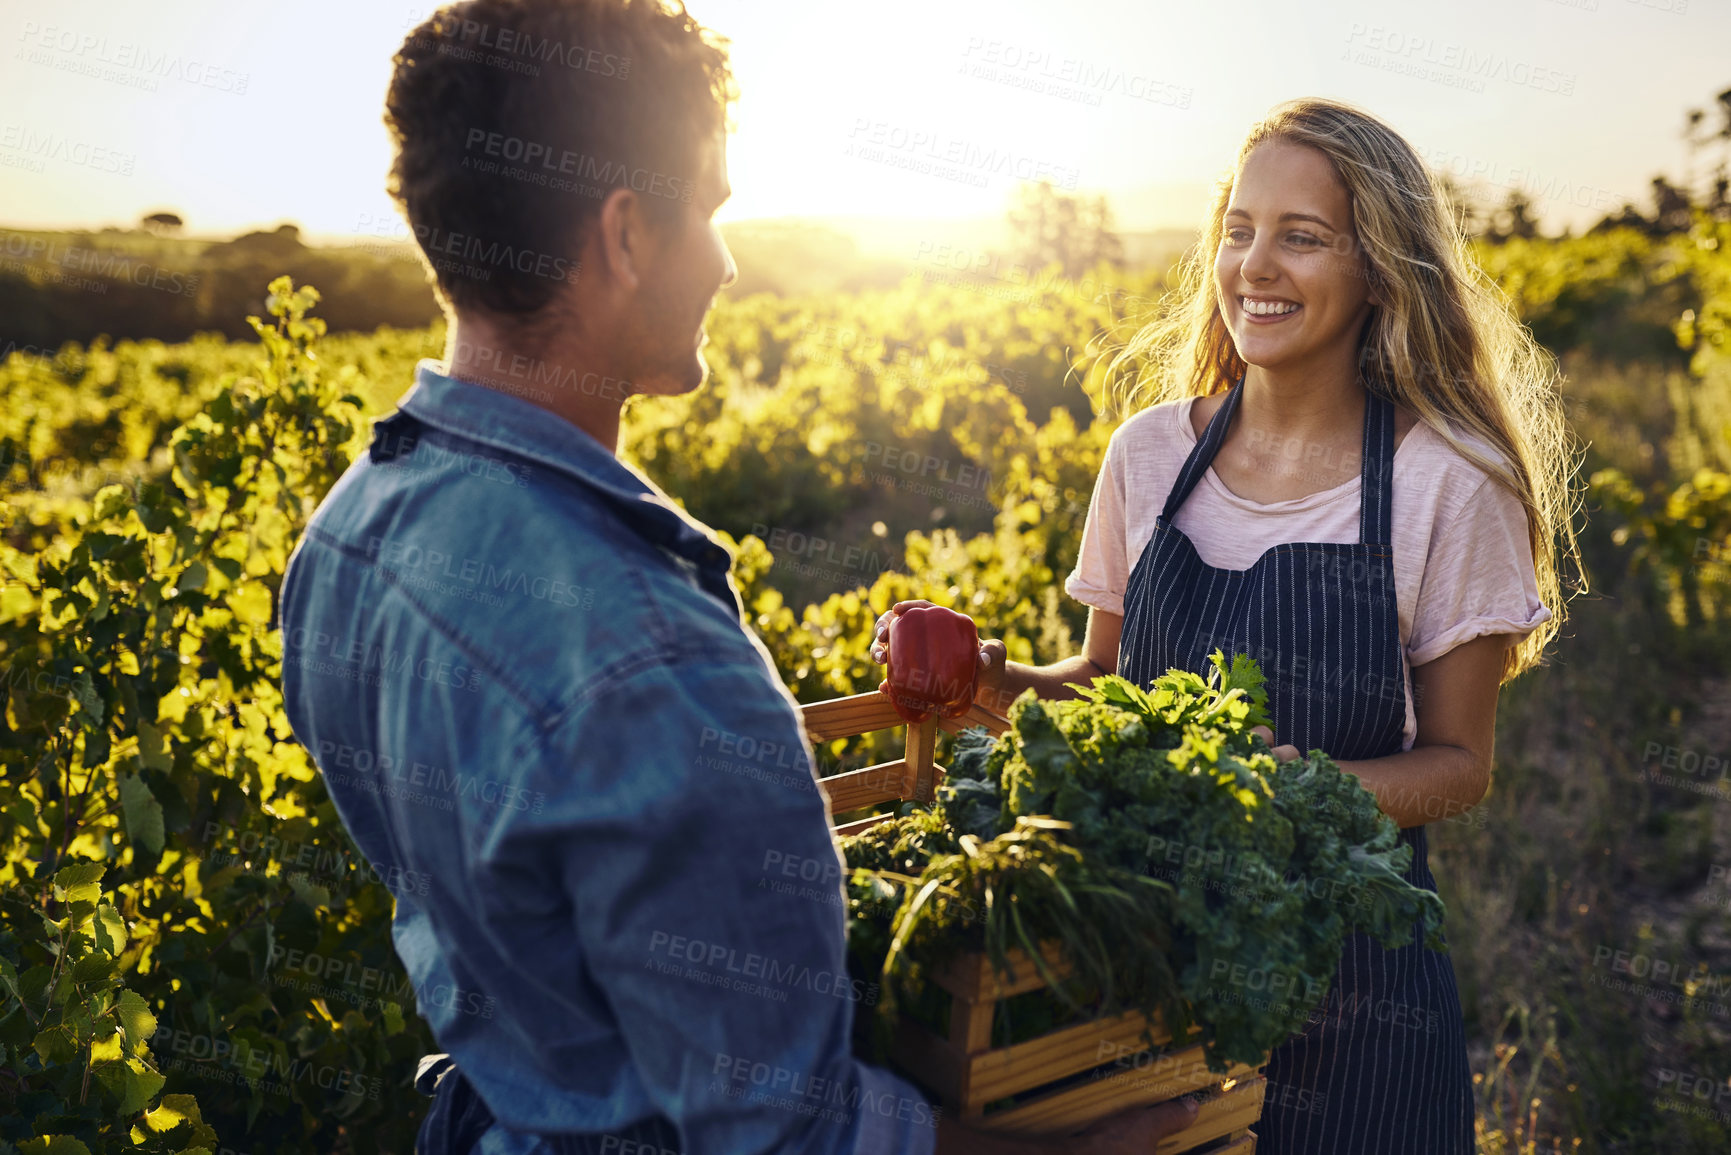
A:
x: 860, y: 824
x: 1024, y: 1066
x: 856, y: 788
x: 1178, y: 1073
x: 846, y: 717
x: 922, y: 740
x: 977, y: 715
x: 1244, y: 1144
x: 971, y: 1026
x: 1220, y: 1116
x: 973, y: 977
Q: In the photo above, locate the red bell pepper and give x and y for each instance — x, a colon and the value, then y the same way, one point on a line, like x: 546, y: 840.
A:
x: 934, y: 663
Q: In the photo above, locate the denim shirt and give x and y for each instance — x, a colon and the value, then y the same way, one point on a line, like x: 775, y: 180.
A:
x: 523, y: 674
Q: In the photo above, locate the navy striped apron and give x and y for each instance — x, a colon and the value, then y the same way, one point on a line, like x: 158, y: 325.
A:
x: 1381, y: 1067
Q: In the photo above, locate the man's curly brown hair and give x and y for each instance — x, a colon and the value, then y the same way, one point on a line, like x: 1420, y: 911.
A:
x: 513, y: 119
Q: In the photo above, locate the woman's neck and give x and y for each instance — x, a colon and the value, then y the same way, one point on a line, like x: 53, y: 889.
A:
x: 1315, y: 406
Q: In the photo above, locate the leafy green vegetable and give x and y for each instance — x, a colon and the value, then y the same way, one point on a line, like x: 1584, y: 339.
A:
x: 1153, y: 836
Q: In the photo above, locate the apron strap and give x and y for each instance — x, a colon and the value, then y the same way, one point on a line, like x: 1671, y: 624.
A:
x: 1376, y: 481
x: 1202, y: 456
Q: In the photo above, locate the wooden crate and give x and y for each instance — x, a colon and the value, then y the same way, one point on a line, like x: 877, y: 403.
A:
x: 1117, y: 1068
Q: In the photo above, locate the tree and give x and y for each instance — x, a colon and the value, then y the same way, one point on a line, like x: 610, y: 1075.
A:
x: 162, y: 224
x: 1693, y: 142
x: 1514, y: 219
x: 1465, y: 206
x: 1049, y: 227
x: 1672, y: 207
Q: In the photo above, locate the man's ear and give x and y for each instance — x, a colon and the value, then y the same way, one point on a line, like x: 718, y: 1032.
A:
x: 623, y: 238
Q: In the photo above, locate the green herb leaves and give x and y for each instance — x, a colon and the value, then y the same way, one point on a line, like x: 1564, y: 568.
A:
x: 1148, y: 832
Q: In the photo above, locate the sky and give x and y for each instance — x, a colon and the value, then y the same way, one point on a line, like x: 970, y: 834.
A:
x: 240, y: 114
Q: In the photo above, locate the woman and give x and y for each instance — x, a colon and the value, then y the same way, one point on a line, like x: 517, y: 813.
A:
x: 1352, y: 466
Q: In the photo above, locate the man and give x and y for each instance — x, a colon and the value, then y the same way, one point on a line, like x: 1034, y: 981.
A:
x: 522, y: 669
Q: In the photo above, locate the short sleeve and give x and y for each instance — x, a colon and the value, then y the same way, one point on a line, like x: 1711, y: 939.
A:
x: 1478, y: 577
x: 1102, y: 563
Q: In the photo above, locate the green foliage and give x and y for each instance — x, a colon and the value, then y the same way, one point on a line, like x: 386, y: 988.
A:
x: 1154, y: 837
x: 144, y: 745
x: 1684, y: 543
x: 107, y: 509
x: 1614, y: 294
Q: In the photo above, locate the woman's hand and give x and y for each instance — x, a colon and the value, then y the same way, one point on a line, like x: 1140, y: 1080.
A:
x: 989, y: 687
x: 1281, y: 753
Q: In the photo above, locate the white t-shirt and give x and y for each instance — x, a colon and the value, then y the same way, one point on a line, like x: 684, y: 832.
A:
x: 1462, y: 564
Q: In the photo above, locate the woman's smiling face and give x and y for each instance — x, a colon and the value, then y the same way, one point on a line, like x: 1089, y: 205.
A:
x: 1289, y: 271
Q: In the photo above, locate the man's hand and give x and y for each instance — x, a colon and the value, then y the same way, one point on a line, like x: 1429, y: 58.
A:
x: 988, y: 690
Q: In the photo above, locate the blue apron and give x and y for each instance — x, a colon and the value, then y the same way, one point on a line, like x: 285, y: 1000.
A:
x: 1382, y: 1066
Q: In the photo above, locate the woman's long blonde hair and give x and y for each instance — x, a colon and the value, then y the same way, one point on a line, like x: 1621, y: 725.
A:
x: 1444, y: 341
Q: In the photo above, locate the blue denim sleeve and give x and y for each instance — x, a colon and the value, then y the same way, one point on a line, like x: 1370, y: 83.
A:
x: 707, y: 889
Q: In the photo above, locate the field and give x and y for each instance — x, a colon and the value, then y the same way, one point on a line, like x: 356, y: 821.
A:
x: 217, y: 957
